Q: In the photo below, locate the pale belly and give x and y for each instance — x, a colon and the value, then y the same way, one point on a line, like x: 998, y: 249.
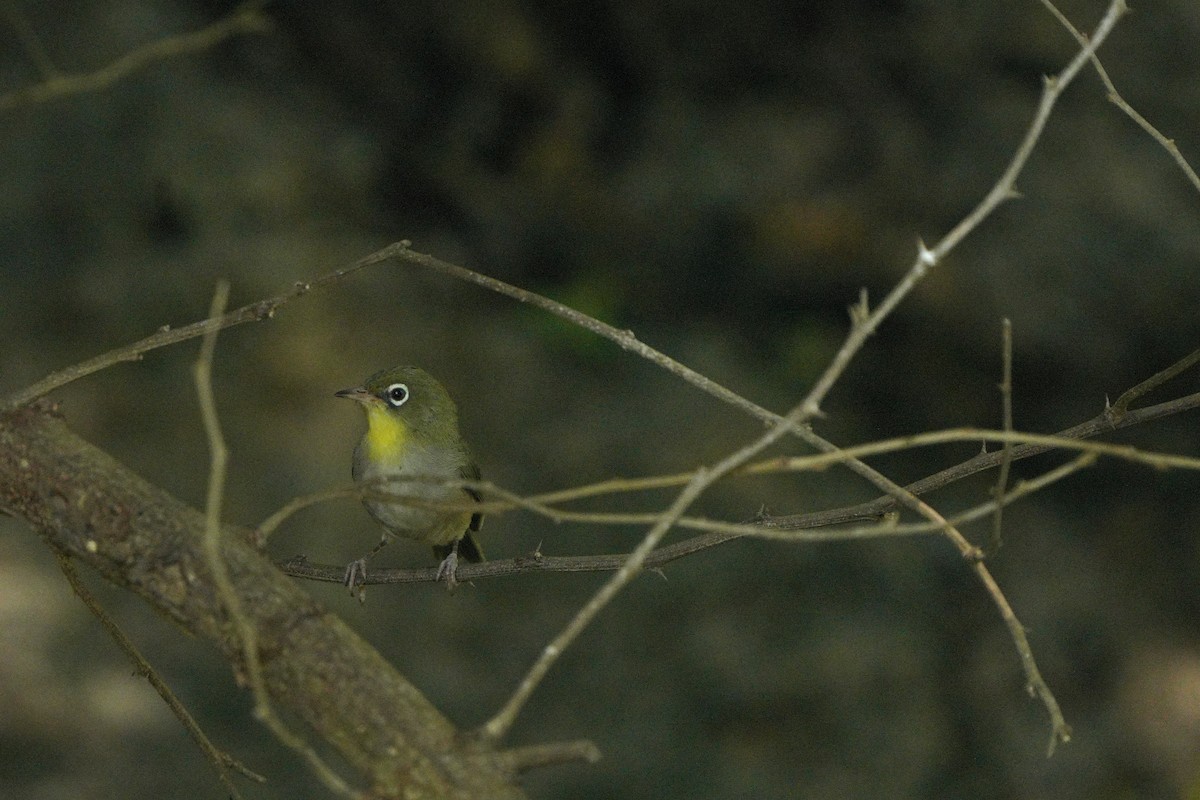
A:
x: 422, y: 524
x: 410, y: 521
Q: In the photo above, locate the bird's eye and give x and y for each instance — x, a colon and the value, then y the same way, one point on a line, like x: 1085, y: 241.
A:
x: 397, y: 395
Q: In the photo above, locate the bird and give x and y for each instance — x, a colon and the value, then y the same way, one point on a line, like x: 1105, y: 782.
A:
x: 412, y: 438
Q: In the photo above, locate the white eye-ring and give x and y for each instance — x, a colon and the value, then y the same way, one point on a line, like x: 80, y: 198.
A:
x: 396, y: 395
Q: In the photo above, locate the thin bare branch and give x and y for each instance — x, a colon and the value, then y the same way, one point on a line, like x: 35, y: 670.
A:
x: 863, y: 326
x: 1022, y: 489
x: 500, y: 724
x: 625, y: 339
x: 218, y: 759
x: 720, y: 532
x: 268, y: 526
x: 1116, y: 99
x: 1005, y: 420
x: 166, y: 335
x: 247, y: 18
x: 1006, y: 187
x: 247, y: 633
x: 812, y: 526
x: 1121, y: 407
x: 809, y: 407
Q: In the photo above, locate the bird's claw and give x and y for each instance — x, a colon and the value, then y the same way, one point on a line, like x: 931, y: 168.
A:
x: 355, y: 577
x: 448, y: 570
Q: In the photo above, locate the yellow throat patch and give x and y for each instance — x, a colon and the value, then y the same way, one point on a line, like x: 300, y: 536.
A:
x: 387, y: 435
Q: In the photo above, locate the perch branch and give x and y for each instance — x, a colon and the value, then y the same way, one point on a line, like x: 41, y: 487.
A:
x: 812, y: 526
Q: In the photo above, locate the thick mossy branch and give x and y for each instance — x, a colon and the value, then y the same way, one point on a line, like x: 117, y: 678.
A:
x: 137, y: 536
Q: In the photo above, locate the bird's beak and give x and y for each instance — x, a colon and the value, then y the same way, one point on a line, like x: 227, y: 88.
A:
x: 357, y: 393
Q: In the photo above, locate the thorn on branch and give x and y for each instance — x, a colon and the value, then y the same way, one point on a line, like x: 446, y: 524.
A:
x: 860, y: 311
x: 534, y: 558
x: 925, y: 256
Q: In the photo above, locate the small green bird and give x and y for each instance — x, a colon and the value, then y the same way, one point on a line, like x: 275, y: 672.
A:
x: 412, y: 433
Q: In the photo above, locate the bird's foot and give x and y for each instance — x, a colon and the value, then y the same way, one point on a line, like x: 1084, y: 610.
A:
x: 356, y: 577
x: 448, y: 569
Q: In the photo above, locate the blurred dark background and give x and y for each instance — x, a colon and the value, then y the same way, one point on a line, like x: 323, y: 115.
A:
x: 722, y: 179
